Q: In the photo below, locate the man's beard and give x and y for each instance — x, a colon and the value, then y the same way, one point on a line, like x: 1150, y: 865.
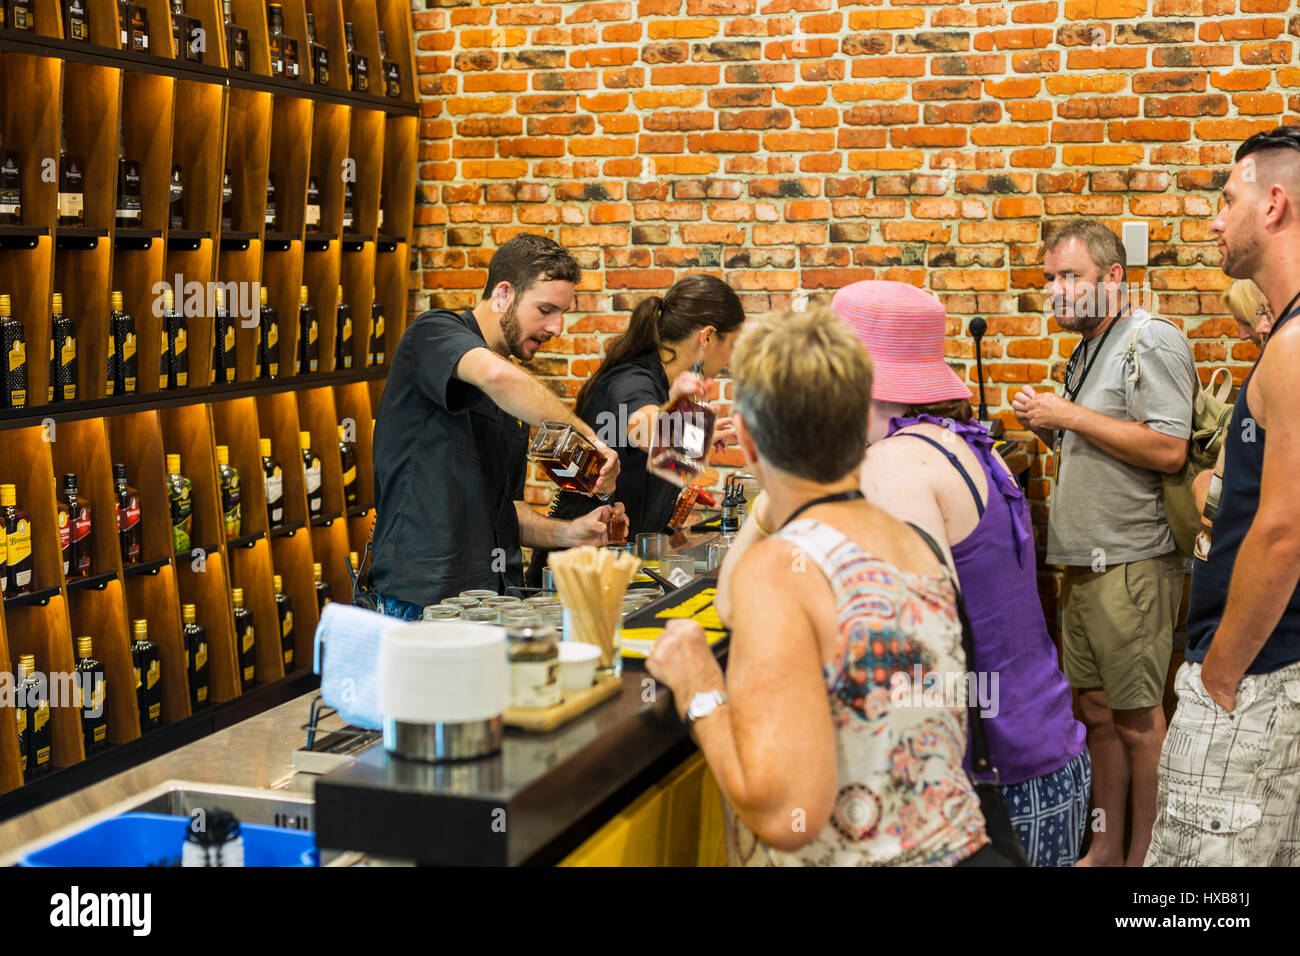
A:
x: 1237, y: 263
x: 514, y: 334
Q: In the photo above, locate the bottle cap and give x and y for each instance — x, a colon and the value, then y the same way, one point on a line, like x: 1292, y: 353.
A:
x: 26, y: 665
x: 340, y: 294
x: 278, y: 582
x: 85, y: 647
x: 221, y: 297
x: 261, y: 295
x: 119, y: 472
x: 264, y: 447
x: 140, y: 628
x: 5, y: 307
x: 173, y: 464
x: 237, y: 596
x: 188, y: 613
x: 302, y: 295
x: 316, y: 570
x: 169, y: 299
x: 8, y: 496
x: 116, y: 301
x: 374, y: 294
x: 354, y: 560
x: 223, y: 454
x: 57, y: 304
x: 70, y: 482
x: 342, y: 432
x: 304, y: 440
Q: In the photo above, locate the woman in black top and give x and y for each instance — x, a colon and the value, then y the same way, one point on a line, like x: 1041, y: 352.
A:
x: 696, y: 321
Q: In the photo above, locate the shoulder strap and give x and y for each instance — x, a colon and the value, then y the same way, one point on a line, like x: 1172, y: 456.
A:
x: 981, y: 762
x: 814, y: 539
x: 956, y: 463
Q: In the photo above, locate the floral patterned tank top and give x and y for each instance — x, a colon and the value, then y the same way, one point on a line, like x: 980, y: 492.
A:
x: 896, y: 690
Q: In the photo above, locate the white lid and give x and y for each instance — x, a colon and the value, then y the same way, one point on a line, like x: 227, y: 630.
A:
x: 445, y: 672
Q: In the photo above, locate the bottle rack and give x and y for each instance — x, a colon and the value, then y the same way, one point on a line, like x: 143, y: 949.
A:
x: 208, y: 119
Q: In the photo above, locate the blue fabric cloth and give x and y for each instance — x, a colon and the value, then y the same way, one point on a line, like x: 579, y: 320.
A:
x: 1050, y: 813
x: 402, y: 610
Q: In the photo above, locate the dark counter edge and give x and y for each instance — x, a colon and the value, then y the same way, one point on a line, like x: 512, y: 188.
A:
x: 167, y: 738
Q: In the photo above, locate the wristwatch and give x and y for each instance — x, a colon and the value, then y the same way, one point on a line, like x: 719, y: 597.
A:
x: 703, y: 704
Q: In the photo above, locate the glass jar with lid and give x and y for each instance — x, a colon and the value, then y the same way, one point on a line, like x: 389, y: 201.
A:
x: 441, y: 612
x: 534, y: 654
x: 479, y: 594
x: 481, y: 615
x: 461, y: 602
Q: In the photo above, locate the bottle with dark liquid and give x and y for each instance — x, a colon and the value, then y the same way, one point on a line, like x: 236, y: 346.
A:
x: 11, y: 189
x: 275, y: 26
x: 223, y: 342
x: 567, y: 457
x: 375, y: 354
x: 358, y: 63
x: 245, y: 638
x: 195, y: 638
x: 682, y: 439
x: 308, y: 335
x: 348, y: 215
x: 76, y: 21
x: 268, y: 340
x: 122, y: 349
x: 236, y: 40
x: 343, y: 335
x: 63, y: 354
x: 319, y: 54
x: 227, y: 202
x: 72, y: 186
x: 284, y: 611
x: 272, y: 219
x: 312, y: 470
x: 123, y: 24
x: 348, y: 457
x: 22, y: 15
x: 35, y: 735
x: 129, y: 530
x: 18, y: 543
x: 183, y: 38
x: 313, y: 205
x: 392, y: 75
x: 76, y: 553
x: 322, y: 589
x: 130, y: 209
x: 148, y: 676
x: 13, y: 348
x: 164, y: 342
x: 180, y: 505
x: 232, y: 511
x: 4, y: 561
x: 178, y: 348
x: 176, y: 199
x: 92, y: 691
x: 139, y: 22
x: 274, y: 480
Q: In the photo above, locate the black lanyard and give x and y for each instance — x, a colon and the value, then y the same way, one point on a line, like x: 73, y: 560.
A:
x: 851, y: 495
x: 1082, y: 347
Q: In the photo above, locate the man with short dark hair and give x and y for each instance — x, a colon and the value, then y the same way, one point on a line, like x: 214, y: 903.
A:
x: 1125, y: 418
x: 1230, y: 768
x: 451, y: 438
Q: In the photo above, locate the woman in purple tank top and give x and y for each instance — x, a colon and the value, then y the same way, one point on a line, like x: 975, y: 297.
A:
x: 929, y: 462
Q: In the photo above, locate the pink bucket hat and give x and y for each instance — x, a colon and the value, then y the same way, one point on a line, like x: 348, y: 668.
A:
x: 903, y: 329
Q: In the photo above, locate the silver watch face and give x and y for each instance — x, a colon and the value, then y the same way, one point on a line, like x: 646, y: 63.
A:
x: 702, y: 704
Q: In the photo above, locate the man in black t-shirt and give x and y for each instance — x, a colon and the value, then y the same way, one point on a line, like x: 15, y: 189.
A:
x: 451, y: 438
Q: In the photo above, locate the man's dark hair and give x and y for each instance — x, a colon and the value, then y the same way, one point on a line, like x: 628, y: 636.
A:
x: 526, y: 258
x: 1284, y: 137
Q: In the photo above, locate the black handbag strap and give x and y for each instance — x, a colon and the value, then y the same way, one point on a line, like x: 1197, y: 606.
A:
x: 981, y: 762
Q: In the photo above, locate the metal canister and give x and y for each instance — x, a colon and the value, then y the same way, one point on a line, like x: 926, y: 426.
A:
x: 534, y: 654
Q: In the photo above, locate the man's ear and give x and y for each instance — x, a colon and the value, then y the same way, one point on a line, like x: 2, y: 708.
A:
x: 501, y: 296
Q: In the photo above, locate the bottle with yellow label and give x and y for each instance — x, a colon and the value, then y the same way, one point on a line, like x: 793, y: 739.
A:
x: 308, y: 335
x: 122, y: 349
x: 174, y: 356
x: 348, y: 456
x: 232, y: 511
x: 343, y: 338
x: 63, y: 354
x: 18, y: 543
x: 148, y: 676
x: 223, y: 342
x: 273, y: 481
x: 92, y: 697
x: 245, y: 639
x: 179, y: 491
x: 4, y: 561
x: 323, y: 594
x: 268, y: 339
x: 312, y: 473
x: 13, y: 346
x: 375, y: 355
x: 284, y: 611
x: 36, y: 737
x: 196, y: 656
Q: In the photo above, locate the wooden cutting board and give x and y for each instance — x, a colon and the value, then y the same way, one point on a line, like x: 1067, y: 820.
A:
x: 575, y: 703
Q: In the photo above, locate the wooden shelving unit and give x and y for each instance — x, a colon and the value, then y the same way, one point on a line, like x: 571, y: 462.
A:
x: 206, y: 119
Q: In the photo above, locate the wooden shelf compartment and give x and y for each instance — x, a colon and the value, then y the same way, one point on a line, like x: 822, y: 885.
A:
x: 49, y: 18
x: 354, y: 413
x: 11, y: 775
x: 357, y: 276
x: 295, y: 28
x: 395, y: 21
x: 83, y: 277
x: 318, y: 416
x: 160, y: 28
x: 235, y: 425
x: 102, y: 615
x: 359, y: 531
x: 328, y: 162
x: 329, y: 544
x: 26, y: 275
x: 211, y: 21
x: 138, y: 274
x: 251, y: 570
x: 282, y: 277
x: 155, y: 598
x: 400, y: 151
x: 198, y: 141
x: 189, y: 273
x: 247, y: 156
x: 81, y: 448
x: 28, y: 465
x: 241, y: 271
x: 364, y: 17
x: 92, y: 99
x: 290, y: 160
x: 145, y: 98
x: 45, y: 632
x: 187, y: 431
x: 251, y: 15
x: 329, y: 32
x: 104, y: 30
x: 208, y: 590
x: 292, y: 558
x: 277, y: 414
x: 31, y: 127
x: 390, y: 291
x: 322, y: 275
x: 366, y: 149
x: 136, y: 441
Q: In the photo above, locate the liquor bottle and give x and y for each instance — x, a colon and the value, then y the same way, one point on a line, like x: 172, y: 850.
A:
x: 18, y: 542
x: 232, y: 510
x: 289, y: 46
x: 129, y: 530
x: 180, y: 29
x: 22, y: 15
x: 313, y: 205
x: 245, y: 638
x: 180, y: 504
x: 358, y: 63
x: 268, y: 340
x: 566, y: 456
x: 349, y: 216
x: 343, y: 335
x: 272, y: 220
x: 72, y: 184
x: 273, y: 478
x: 177, y: 329
x: 319, y: 54
x: 13, y: 346
x: 682, y: 439
x: 148, y: 676
x: 63, y: 354
x: 76, y: 21
x: 195, y: 637
x: 284, y: 611
x: 130, y: 209
x: 4, y: 561
x: 11, y: 189
x: 308, y: 334
x: 223, y: 343
x: 375, y: 354
x: 311, y: 468
x: 322, y: 589
x: 76, y: 555
x: 35, y: 735
x: 139, y: 22
x: 348, y: 459
x: 380, y: 224
x: 227, y: 202
x: 275, y: 25
x: 176, y: 199
x: 124, y: 24
x: 164, y: 341
x: 122, y: 349
x: 236, y: 40
x: 392, y: 75
x: 92, y: 693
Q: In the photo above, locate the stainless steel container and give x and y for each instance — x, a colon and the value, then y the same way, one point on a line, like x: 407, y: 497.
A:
x: 433, y: 743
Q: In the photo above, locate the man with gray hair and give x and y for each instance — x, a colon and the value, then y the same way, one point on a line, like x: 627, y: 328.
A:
x: 1124, y: 418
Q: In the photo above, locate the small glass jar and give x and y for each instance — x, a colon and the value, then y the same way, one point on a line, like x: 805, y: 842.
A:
x: 481, y: 615
x: 462, y: 602
x: 479, y: 594
x: 520, y: 617
x: 541, y: 600
x: 441, y: 612
x: 502, y: 601
x: 534, y: 654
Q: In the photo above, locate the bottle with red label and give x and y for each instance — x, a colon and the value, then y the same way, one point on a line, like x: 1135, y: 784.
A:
x: 128, y: 516
x: 74, y: 530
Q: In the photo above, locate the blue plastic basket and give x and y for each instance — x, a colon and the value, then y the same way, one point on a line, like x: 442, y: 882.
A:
x: 141, y: 839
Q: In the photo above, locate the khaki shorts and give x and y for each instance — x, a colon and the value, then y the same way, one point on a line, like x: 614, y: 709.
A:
x: 1117, y: 628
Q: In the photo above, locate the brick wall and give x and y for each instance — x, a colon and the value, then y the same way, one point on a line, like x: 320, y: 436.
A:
x: 794, y: 146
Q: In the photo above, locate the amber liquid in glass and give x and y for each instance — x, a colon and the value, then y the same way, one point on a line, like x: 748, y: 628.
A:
x: 682, y: 439
x: 566, y: 457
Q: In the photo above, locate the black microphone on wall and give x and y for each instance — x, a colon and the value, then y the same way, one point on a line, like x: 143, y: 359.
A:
x: 977, y: 329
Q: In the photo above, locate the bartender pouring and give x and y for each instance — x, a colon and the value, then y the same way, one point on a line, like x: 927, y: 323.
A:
x: 451, y: 439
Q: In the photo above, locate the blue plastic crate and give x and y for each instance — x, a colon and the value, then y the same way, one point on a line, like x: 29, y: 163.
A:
x: 140, y: 839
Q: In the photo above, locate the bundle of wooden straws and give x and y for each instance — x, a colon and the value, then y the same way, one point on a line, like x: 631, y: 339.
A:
x: 591, y: 582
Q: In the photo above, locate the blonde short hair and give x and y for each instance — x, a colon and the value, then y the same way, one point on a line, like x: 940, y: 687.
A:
x: 1242, y: 298
x: 803, y: 386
